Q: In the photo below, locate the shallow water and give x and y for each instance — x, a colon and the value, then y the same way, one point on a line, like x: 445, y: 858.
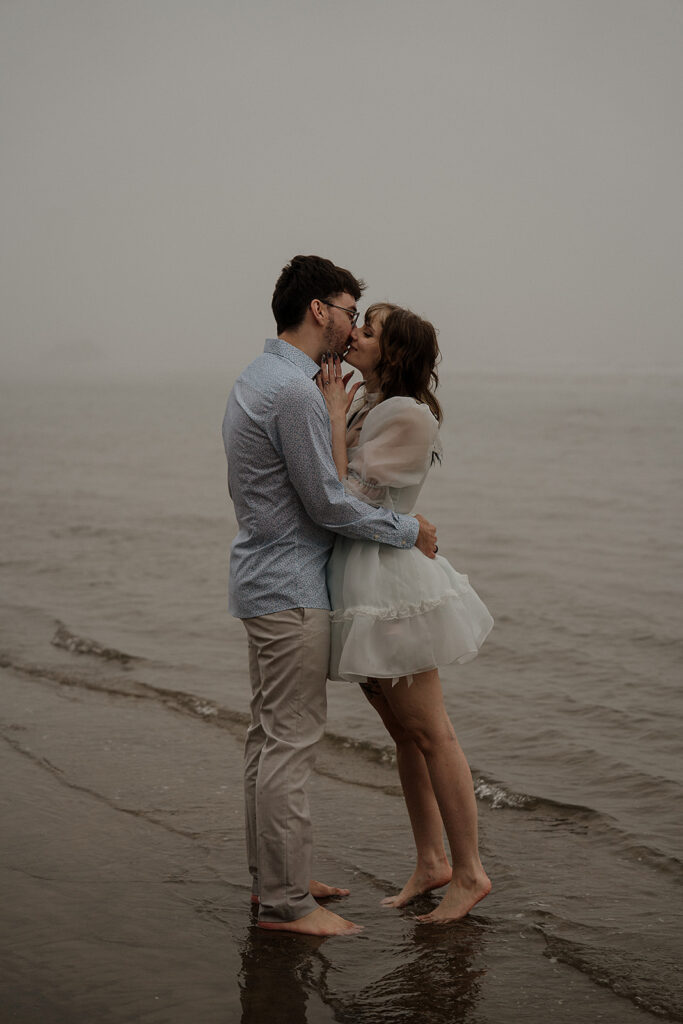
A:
x: 560, y: 497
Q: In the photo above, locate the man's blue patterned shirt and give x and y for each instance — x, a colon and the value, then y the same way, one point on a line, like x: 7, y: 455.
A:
x: 288, y: 499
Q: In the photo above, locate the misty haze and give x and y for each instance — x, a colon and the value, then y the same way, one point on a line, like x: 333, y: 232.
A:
x: 511, y: 171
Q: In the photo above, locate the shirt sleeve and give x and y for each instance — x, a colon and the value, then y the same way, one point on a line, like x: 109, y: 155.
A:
x: 395, y: 450
x: 303, y: 433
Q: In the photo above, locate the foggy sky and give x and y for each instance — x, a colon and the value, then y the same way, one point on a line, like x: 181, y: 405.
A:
x: 510, y: 169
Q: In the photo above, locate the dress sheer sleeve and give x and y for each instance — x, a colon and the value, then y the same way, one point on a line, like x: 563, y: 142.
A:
x: 394, y: 451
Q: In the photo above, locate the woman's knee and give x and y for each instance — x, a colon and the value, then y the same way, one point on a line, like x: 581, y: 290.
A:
x: 429, y: 736
x: 398, y: 733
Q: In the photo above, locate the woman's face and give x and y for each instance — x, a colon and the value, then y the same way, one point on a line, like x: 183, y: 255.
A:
x: 363, y: 353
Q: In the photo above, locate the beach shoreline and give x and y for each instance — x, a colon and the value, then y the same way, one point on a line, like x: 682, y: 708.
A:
x: 128, y: 895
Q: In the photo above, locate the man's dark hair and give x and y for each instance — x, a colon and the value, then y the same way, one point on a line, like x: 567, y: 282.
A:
x: 304, y: 279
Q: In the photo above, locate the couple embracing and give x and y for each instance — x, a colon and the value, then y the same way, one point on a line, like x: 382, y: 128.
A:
x: 334, y: 575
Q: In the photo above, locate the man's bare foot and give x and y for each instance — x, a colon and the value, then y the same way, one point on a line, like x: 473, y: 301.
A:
x: 321, y: 891
x: 318, y: 922
x: 421, y: 881
x: 318, y: 890
x: 458, y: 900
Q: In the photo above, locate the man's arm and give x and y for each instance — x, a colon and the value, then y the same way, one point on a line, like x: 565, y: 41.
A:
x: 303, y: 433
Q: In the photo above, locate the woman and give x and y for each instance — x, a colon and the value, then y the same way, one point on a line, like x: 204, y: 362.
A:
x: 397, y: 615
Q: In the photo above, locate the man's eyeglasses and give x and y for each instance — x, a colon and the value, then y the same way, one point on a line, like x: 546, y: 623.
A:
x: 353, y: 314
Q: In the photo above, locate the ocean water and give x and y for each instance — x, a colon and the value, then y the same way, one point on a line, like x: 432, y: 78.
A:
x: 560, y: 497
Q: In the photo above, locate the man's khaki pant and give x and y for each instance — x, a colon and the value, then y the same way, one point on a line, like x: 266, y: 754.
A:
x: 288, y: 658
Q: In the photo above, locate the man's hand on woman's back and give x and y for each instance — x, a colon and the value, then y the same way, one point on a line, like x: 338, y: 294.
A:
x: 426, y: 538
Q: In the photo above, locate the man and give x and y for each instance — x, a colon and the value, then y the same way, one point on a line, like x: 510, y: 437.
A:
x: 289, y: 503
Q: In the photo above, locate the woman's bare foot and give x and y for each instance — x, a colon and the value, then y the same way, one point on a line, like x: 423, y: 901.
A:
x: 458, y: 900
x: 422, y: 880
x: 319, y: 891
x: 318, y: 922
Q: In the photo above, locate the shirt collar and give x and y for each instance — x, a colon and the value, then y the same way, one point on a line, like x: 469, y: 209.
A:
x: 278, y: 347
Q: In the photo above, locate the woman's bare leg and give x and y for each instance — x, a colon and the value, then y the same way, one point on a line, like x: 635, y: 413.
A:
x: 420, y: 710
x: 432, y: 869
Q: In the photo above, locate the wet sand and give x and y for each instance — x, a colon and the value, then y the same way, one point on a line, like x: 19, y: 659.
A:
x: 127, y: 897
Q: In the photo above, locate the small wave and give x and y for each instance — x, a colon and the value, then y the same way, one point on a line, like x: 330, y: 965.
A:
x: 657, y: 640
x: 372, y: 751
x: 84, y: 529
x: 176, y: 700
x: 82, y: 645
x: 498, y: 796
x: 623, y: 973
x: 577, y: 818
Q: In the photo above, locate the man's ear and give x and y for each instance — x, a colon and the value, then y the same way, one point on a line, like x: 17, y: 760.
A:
x: 318, y: 311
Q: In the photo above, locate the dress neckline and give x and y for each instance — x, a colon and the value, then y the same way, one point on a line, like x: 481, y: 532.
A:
x: 368, y: 401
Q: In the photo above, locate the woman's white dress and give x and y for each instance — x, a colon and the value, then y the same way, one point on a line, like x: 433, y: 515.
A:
x: 396, y: 612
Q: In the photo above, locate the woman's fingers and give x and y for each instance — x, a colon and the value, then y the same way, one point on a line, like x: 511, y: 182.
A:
x: 332, y: 384
x: 330, y: 367
x: 330, y: 370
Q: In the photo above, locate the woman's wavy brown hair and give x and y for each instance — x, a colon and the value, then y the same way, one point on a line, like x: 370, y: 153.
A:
x: 409, y: 354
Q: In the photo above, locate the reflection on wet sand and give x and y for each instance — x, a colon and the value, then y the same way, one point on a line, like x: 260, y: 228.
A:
x: 291, y: 980
x: 277, y: 976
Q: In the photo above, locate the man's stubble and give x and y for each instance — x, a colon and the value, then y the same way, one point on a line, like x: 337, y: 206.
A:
x: 336, y: 338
